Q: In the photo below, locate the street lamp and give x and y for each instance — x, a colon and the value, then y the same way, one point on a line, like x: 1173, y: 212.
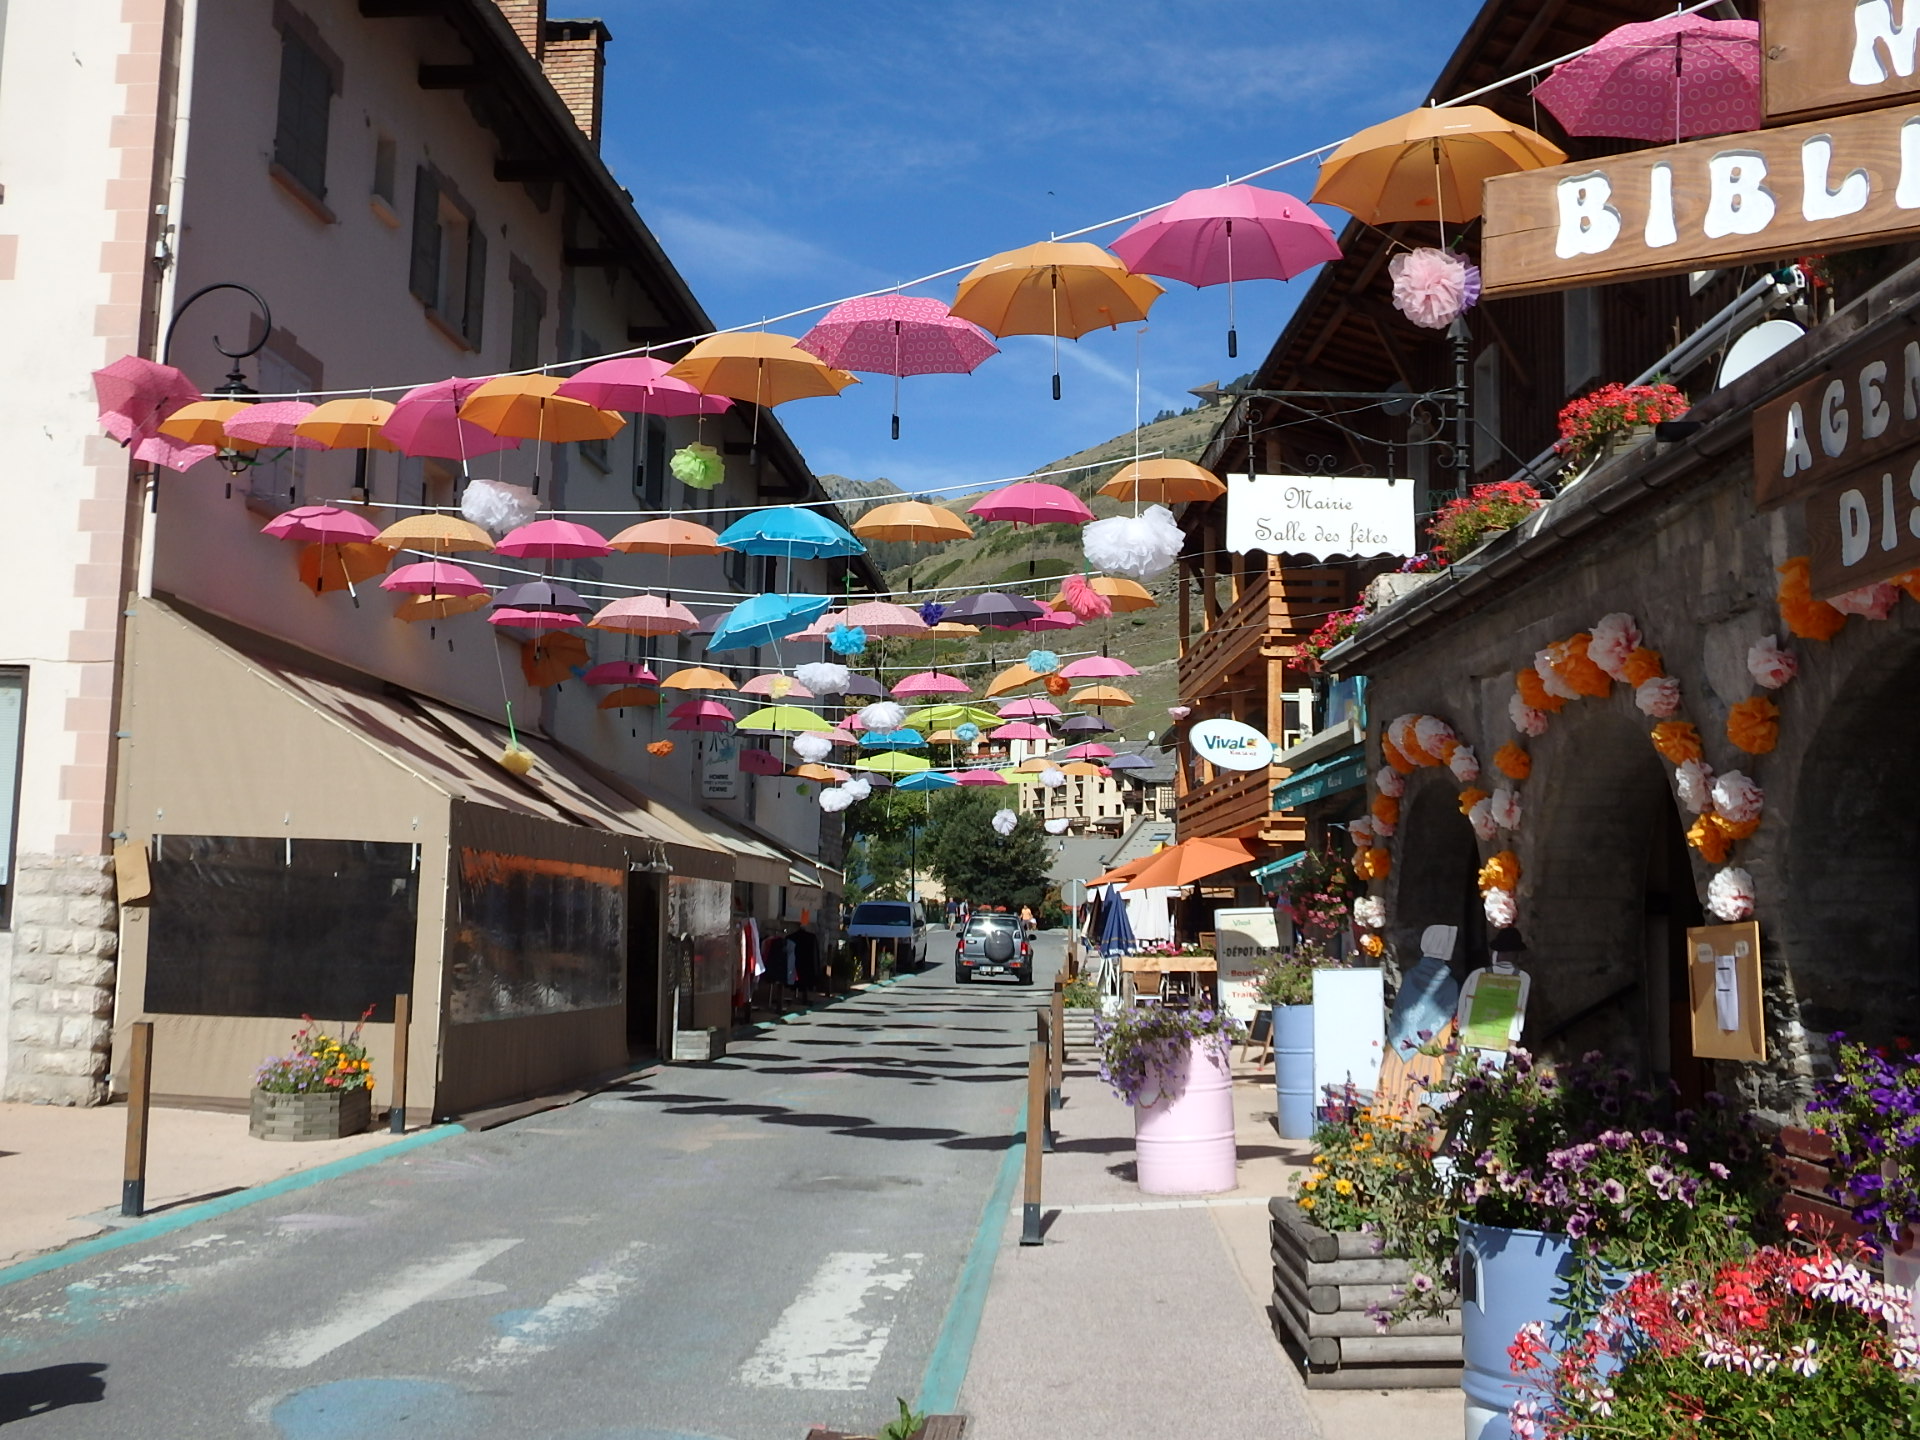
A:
x: 236, y: 387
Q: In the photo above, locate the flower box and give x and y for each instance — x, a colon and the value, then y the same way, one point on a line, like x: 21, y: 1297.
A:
x: 1079, y: 1028
x: 309, y: 1115
x: 1323, y: 1284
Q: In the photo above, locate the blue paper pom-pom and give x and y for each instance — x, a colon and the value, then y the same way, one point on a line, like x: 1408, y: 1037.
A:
x: 848, y: 640
x: 968, y: 732
x: 933, y: 612
x: 1042, y: 662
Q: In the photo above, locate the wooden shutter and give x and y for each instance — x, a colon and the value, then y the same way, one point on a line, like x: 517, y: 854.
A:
x: 423, y: 279
x: 474, y: 310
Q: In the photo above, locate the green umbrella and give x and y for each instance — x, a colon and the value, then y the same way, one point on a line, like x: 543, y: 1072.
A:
x: 895, y: 762
x: 782, y: 720
x: 951, y: 717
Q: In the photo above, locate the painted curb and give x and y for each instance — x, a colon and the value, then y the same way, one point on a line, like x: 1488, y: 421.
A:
x: 151, y: 1229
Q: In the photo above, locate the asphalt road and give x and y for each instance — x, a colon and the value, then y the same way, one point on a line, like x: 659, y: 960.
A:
x: 736, y: 1251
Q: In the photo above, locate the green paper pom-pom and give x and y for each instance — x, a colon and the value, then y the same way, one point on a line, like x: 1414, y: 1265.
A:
x: 699, y: 467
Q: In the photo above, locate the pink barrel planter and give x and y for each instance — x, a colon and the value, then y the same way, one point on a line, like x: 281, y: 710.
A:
x: 1183, y: 1141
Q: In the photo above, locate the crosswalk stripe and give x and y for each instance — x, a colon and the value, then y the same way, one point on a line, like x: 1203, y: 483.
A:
x: 832, y: 1335
x: 579, y: 1306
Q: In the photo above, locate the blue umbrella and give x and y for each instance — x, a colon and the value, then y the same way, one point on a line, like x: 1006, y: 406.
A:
x: 926, y: 780
x: 766, y: 618
x: 893, y: 740
x: 789, y: 531
x: 1116, y: 930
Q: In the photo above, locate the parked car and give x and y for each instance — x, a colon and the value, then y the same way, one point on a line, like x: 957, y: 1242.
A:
x: 896, y: 922
x: 995, y: 945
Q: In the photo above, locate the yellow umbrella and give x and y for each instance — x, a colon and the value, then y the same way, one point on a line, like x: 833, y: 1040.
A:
x: 913, y: 521
x: 952, y: 630
x: 781, y: 720
x: 1429, y: 164
x: 894, y: 762
x: 1124, y: 595
x: 1164, y: 481
x: 204, y: 422
x: 697, y: 678
x: 765, y: 369
x: 1012, y: 678
x: 341, y: 567
x: 415, y: 608
x: 526, y: 407
x: 442, y: 534
x: 351, y: 424
x: 1019, y: 777
x: 1080, y: 767
x: 1057, y: 288
x: 1098, y: 695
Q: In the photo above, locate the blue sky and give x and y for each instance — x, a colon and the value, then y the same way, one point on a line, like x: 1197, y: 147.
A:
x: 791, y: 153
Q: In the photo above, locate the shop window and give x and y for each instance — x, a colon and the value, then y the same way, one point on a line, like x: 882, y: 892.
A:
x: 309, y: 79
x: 535, y: 937
x: 448, y: 270
x: 385, y: 160
x: 13, y: 729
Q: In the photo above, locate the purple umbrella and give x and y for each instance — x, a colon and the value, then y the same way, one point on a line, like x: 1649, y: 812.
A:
x: 898, y: 335
x: 542, y: 595
x: 995, y: 609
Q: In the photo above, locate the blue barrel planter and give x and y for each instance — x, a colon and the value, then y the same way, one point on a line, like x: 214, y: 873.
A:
x: 1293, y: 1069
x: 1507, y: 1279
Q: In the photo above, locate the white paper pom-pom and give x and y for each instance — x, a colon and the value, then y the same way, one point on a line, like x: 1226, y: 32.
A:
x: 883, y: 715
x: 1737, y: 798
x: 859, y: 787
x: 1504, y: 806
x: 1465, y: 765
x: 1057, y: 827
x: 1004, y: 822
x: 834, y: 799
x: 1769, y: 664
x: 1873, y: 602
x: 824, y: 678
x: 498, y: 507
x: 1693, y: 780
x: 1501, y: 911
x: 812, y: 746
x: 1527, y: 720
x: 1361, y: 833
x: 1431, y: 733
x: 1139, y: 547
x: 1615, y: 637
x: 1370, y: 912
x: 1659, y: 697
x: 1481, y: 818
x: 1730, y: 895
x: 1053, y: 779
x: 1400, y: 731
x: 1389, y: 781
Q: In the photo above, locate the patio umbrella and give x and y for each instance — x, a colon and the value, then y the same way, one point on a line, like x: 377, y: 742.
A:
x: 765, y: 369
x: 994, y: 608
x: 913, y: 522
x: 1228, y: 233
x: 764, y: 619
x: 627, y: 697
x: 341, y: 567
x: 1097, y: 695
x: 350, y: 424
x: 320, y: 525
x: 1085, y: 725
x: 639, y: 385
x: 1429, y: 164
x: 1164, y: 481
x: 930, y: 682
x: 644, y: 615
x: 926, y: 780
x: 1116, y: 928
x: 1121, y: 872
x: 894, y: 762
x: 783, y: 720
x: 777, y: 687
x: 553, y: 540
x: 697, y: 677
x: 517, y: 618
x: 667, y: 537
x: 1191, y: 860
x: 135, y: 395
x: 620, y: 672
x: 426, y: 422
x: 1096, y: 667
x: 1058, y: 288
x: 1662, y: 81
x: 898, y: 335
x: 543, y: 595
x: 791, y: 531
x: 979, y: 777
x: 440, y: 534
x: 415, y: 608
x: 1032, y: 502
x: 272, y: 424
x: 434, y: 577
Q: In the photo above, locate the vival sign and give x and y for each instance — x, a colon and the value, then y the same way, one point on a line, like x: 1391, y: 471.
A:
x: 1320, y: 515
x: 1230, y: 745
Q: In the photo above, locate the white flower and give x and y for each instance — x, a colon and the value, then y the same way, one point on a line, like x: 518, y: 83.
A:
x: 1504, y: 808
x: 1431, y: 734
x: 1659, y: 697
x: 1481, y: 818
x: 1527, y: 720
x: 1874, y: 602
x: 1615, y: 637
x: 1769, y: 664
x: 1802, y: 1358
x: 1549, y: 677
x: 1369, y: 911
x: 1500, y: 908
x: 1400, y: 732
x: 1730, y: 894
x: 1693, y: 779
x: 1465, y: 765
x: 1004, y: 821
x: 1389, y: 781
x: 1738, y: 798
x: 1360, y: 832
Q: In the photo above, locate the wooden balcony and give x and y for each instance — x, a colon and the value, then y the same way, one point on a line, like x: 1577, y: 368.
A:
x: 1236, y: 802
x: 1275, y: 610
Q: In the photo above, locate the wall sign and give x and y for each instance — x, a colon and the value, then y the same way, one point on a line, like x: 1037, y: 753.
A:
x: 1820, y: 63
x: 1320, y: 515
x: 720, y: 767
x: 1864, y: 408
x: 1865, y: 528
x: 1723, y: 977
x: 1230, y: 745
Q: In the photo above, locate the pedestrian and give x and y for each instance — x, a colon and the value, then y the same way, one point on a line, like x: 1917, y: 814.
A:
x: 1026, y: 919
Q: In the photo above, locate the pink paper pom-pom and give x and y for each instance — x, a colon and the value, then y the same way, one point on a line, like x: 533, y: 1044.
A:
x: 1874, y: 602
x: 1769, y: 664
x: 1614, y: 638
x: 1659, y: 697
x: 1389, y: 781
x: 1433, y: 288
x: 1527, y: 720
x: 1730, y: 895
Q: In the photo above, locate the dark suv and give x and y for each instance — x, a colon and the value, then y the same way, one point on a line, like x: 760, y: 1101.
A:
x: 994, y: 945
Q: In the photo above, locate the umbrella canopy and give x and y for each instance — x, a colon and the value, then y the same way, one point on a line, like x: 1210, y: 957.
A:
x: 1164, y: 481
x: 1058, y: 288
x: 892, y: 740
x: 543, y: 595
x: 1116, y: 926
x: 996, y: 609
x: 1096, y: 667
x: 1130, y: 762
x: 533, y: 619
x: 1228, y: 233
x: 341, y: 567
x: 791, y: 531
x: 894, y: 762
x: 697, y: 677
x: 631, y: 695
x: 764, y: 619
x: 136, y: 395
x: 782, y: 720
x: 667, y: 537
x: 1014, y: 677
x: 1032, y: 502
x: 700, y: 710
x: 530, y: 407
x: 878, y: 617
x: 1085, y: 725
x: 553, y: 540
x: 952, y: 630
x: 777, y: 687
x: 808, y: 771
x: 898, y: 335
x: 704, y: 724
x: 273, y: 423
x: 320, y: 525
x: 644, y: 615
x: 930, y: 682
x: 913, y: 521
x: 1101, y: 695
x: 639, y: 385
x: 1122, y: 872
x: 864, y: 685
x: 1429, y: 164
x: 350, y: 424
x: 1124, y: 595
x: 415, y: 608
x: 761, y: 762
x: 441, y: 534
x: 927, y: 780
x: 1020, y: 730
x: 979, y: 777
x: 620, y: 672
x: 1081, y: 767
x: 1048, y: 619
x: 1035, y: 707
x: 1191, y: 860
x: 426, y: 421
x: 844, y: 738
x: 765, y: 369
x: 434, y: 577
x: 204, y: 422
x: 1664, y: 81
x: 1093, y: 751
x: 1037, y: 764
x: 951, y: 717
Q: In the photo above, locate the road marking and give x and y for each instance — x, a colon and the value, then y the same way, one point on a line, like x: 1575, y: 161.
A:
x: 580, y: 1306
x: 823, y: 1340
x: 367, y: 1311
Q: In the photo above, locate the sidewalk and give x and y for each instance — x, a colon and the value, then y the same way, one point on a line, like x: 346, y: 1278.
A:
x: 61, y: 1167
x: 1144, y: 1315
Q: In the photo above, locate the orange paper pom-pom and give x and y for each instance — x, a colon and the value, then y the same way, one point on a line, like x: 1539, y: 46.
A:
x: 1386, y: 810
x: 1058, y: 685
x: 1373, y: 946
x: 660, y: 747
x: 1373, y: 864
x: 1533, y: 692
x: 1644, y: 665
x: 1754, y: 725
x: 1513, y: 762
x: 1469, y: 798
x: 1447, y: 747
x: 1708, y: 835
x: 1737, y: 829
x: 1570, y: 663
x: 1805, y: 616
x: 1677, y: 740
x: 1391, y: 754
x: 1502, y: 872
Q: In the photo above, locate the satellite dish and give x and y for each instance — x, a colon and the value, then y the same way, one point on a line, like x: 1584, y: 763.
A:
x: 1760, y: 343
x: 1401, y: 405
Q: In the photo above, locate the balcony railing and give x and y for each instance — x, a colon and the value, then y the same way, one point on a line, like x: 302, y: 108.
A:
x: 1236, y: 802
x: 1275, y: 610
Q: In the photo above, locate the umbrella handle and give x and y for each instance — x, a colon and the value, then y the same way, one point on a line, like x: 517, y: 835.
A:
x: 1233, y: 333
x: 1053, y: 296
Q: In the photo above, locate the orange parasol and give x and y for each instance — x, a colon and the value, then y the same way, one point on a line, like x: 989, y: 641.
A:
x: 204, y: 422
x: 953, y: 630
x: 415, y: 608
x: 525, y: 406
x: 630, y: 695
x: 914, y: 521
x: 1164, y: 481
x: 441, y: 534
x: 668, y: 537
x: 1191, y: 860
x: 1098, y: 695
x: 1058, y: 288
x: 1124, y: 595
x: 341, y: 567
x: 351, y: 424
x: 1123, y: 872
x: 1011, y: 678
x: 1429, y: 164
x: 1080, y: 767
x: 697, y: 678
x: 765, y: 369
x: 551, y: 659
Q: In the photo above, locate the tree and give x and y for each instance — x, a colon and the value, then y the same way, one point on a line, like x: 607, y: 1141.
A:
x: 974, y: 861
x: 881, y: 850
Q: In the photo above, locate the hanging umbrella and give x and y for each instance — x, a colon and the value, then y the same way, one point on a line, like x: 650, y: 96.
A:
x: 1100, y: 695
x: 767, y: 370
x: 995, y: 609
x: 135, y: 395
x: 530, y: 407
x: 1093, y: 751
x: 272, y: 424
x: 1014, y: 677
x: 764, y: 619
x: 351, y: 424
x: 1048, y: 619
x: 341, y: 567
x: 697, y: 677
x: 930, y: 682
x: 639, y: 385
x: 880, y: 618
x: 902, y: 739
x: 644, y: 615
x: 1085, y: 725
x: 1124, y: 595
x: 926, y: 780
x: 912, y: 522
x: 1228, y: 233
x: 1164, y: 481
x: 1037, y: 764
x: 434, y: 577
x: 898, y: 335
x: 626, y: 697
x: 1032, y: 502
x: 515, y: 617
x: 952, y: 630
x: 1191, y: 860
x: 1096, y: 667
x: 553, y: 540
x: 791, y: 531
x: 1081, y: 767
x: 701, y: 709
x: 705, y: 724
x: 1116, y: 927
x: 979, y: 777
x: 1663, y: 81
x: 426, y: 422
x: 440, y: 534
x: 951, y: 717
x: 864, y: 685
x: 1059, y: 288
x: 415, y: 608
x: 783, y: 720
x: 1020, y: 730
x: 543, y: 595
x: 844, y: 738
x: 1033, y: 708
x: 1130, y: 762
x: 894, y: 763
x: 1429, y: 164
x: 667, y: 537
x: 204, y: 422
x: 320, y: 525
x: 777, y: 687
x: 620, y: 672
x: 809, y: 771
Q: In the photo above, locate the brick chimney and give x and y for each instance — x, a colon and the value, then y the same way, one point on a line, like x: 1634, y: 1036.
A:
x: 529, y: 21
x: 574, y: 58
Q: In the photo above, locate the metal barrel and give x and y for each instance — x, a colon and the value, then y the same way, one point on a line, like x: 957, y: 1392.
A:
x: 1293, y: 1069
x: 1183, y: 1142
x: 1507, y: 1278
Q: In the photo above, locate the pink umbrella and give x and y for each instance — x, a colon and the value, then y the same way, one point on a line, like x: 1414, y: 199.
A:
x: 1663, y: 80
x: 135, y: 395
x: 319, y: 525
x: 1032, y: 708
x: 707, y: 724
x: 620, y: 672
x: 1031, y: 502
x: 898, y: 335
x: 1093, y: 750
x: 434, y: 577
x: 841, y: 736
x: 700, y: 710
x: 426, y: 421
x: 761, y: 762
x: 643, y: 615
x: 978, y: 777
x: 172, y: 453
x: 521, y: 619
x: 1048, y: 619
x: 553, y: 540
x: 639, y: 385
x: 272, y: 423
x: 1096, y: 667
x: 769, y: 686
x: 876, y: 617
x: 931, y: 682
x: 1020, y: 730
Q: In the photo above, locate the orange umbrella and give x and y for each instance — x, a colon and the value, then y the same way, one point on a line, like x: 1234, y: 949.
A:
x: 914, y: 521
x: 352, y: 424
x: 1124, y: 595
x: 1058, y: 288
x: 630, y: 695
x: 1098, y: 695
x: 1080, y: 767
x: 765, y: 369
x: 341, y: 567
x: 1011, y: 678
x: 525, y: 406
x: 811, y: 771
x: 1123, y: 872
x: 551, y: 659
x: 953, y: 630
x: 415, y: 608
x: 697, y: 678
x: 1429, y: 164
x: 1191, y: 860
x: 1164, y: 481
x: 442, y: 534
x: 668, y: 537
x: 204, y: 422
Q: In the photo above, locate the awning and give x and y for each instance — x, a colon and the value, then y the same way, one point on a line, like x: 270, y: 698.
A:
x: 1346, y: 771
x: 1269, y: 874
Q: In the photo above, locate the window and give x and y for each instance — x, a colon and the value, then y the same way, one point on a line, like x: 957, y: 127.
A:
x: 594, y: 450
x: 449, y: 264
x: 385, y: 158
x: 309, y: 78
x: 278, y: 484
x: 529, y: 310
x: 1487, y: 449
x: 1580, y: 346
x: 13, y: 716
x: 650, y: 479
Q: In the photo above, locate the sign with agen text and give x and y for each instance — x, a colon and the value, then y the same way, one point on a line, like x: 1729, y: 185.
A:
x: 1320, y: 515
x: 1863, y: 408
x: 1231, y: 745
x: 1821, y: 60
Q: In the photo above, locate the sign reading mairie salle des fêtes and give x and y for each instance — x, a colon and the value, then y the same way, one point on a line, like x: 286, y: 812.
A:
x: 1320, y: 515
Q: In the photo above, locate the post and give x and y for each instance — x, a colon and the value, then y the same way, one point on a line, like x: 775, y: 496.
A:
x: 1058, y: 1055
x: 1462, y: 338
x: 1036, y: 1122
x: 397, y: 1106
x: 1043, y: 1037
x: 133, y: 1183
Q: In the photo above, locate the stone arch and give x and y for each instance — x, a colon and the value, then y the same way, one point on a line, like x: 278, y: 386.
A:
x: 1436, y: 866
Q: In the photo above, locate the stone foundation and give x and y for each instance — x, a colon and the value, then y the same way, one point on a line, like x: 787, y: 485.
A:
x: 65, y: 940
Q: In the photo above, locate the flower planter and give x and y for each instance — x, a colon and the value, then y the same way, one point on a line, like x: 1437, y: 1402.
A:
x: 1077, y: 1028
x: 1323, y: 1283
x: 1293, y: 1070
x: 313, y: 1115
x: 1507, y: 1278
x: 1183, y: 1140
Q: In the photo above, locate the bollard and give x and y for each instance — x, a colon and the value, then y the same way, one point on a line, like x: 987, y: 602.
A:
x: 1043, y: 1033
x: 133, y: 1183
x: 1057, y: 1056
x: 1036, y: 1123
x: 397, y: 1106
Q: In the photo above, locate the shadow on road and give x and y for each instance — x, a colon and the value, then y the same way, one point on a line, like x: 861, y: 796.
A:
x: 859, y: 1127
x: 27, y: 1393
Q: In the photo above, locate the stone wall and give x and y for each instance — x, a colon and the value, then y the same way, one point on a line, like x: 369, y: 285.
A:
x: 65, y: 938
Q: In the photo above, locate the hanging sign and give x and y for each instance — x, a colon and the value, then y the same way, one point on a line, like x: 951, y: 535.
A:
x: 1723, y: 977
x: 1242, y: 940
x: 1320, y: 515
x: 720, y: 767
x: 1863, y: 408
x: 1230, y: 745
x: 1865, y: 528
x: 1819, y: 64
